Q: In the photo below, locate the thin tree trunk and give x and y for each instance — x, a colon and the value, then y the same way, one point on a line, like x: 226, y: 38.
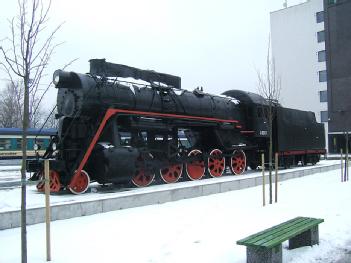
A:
x: 23, y: 171
x: 269, y: 87
x: 270, y: 124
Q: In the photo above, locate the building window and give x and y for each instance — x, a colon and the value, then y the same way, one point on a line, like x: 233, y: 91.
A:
x: 324, y: 116
x: 320, y: 36
x: 320, y: 16
x: 331, y: 2
x: 323, y: 97
x: 321, y: 56
x: 322, y: 76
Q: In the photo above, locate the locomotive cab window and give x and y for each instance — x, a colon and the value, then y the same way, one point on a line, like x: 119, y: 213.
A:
x: 266, y: 113
x: 259, y: 112
x: 262, y: 112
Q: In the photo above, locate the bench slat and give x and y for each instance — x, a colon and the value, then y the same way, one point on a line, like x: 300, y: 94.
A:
x: 291, y: 234
x: 300, y: 226
x: 273, y: 236
x: 256, y: 237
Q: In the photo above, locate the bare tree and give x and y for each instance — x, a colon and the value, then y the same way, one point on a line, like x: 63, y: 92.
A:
x: 269, y: 86
x: 37, y: 116
x: 50, y: 121
x: 26, y: 54
x: 11, y: 107
x: 11, y: 102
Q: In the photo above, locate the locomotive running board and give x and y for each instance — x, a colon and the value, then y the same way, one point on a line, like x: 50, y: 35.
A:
x: 111, y: 112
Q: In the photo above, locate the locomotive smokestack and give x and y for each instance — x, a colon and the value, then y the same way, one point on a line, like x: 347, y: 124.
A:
x: 98, y: 66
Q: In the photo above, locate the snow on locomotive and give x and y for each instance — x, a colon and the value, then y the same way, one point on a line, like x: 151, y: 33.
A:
x: 113, y: 130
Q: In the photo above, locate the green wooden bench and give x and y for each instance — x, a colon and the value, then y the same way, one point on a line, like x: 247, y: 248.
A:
x: 266, y: 246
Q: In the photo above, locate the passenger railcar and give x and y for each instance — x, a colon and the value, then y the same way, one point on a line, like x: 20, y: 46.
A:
x: 11, y: 142
x: 113, y: 130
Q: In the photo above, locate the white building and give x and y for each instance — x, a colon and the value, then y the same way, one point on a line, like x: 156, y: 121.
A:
x: 298, y: 48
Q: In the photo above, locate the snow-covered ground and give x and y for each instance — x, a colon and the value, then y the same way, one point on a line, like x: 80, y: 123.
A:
x: 10, y: 197
x: 203, y: 229
x: 10, y: 162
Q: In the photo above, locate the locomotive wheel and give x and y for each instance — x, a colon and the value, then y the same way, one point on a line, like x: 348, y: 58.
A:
x: 55, y: 184
x: 172, y: 173
x: 79, y: 183
x: 216, y: 164
x: 238, y: 162
x: 195, y: 169
x: 142, y: 179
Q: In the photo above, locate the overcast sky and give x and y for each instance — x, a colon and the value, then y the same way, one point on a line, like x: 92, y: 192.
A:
x: 215, y: 44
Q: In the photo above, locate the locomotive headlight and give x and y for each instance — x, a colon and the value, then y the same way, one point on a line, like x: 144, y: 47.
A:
x: 56, y: 77
x: 54, y: 146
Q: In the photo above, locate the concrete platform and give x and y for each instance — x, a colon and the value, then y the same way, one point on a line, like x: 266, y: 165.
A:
x: 92, y: 204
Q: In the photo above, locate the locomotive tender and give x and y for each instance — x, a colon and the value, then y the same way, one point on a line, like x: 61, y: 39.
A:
x: 114, y: 130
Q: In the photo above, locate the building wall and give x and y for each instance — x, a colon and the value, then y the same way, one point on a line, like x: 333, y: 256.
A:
x: 295, y: 51
x: 338, y: 43
x: 338, y: 33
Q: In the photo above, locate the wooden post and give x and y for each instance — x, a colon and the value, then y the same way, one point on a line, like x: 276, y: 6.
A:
x: 47, y: 208
x: 342, y: 166
x: 263, y: 181
x: 276, y: 177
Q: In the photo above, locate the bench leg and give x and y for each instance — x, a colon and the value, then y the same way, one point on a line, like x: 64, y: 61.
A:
x: 307, y: 238
x: 264, y: 255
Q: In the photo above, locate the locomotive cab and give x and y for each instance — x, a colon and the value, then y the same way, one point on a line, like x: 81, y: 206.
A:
x: 254, y: 109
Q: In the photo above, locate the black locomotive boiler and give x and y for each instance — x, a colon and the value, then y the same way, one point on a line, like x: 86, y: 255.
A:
x: 114, y: 130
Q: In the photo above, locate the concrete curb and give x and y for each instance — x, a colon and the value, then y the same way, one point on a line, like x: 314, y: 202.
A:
x: 12, y: 219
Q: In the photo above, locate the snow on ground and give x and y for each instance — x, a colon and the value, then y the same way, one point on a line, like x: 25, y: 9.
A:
x: 10, y: 162
x: 10, y: 197
x: 203, y: 229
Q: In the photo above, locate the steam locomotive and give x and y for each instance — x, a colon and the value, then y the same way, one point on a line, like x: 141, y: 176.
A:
x: 114, y: 130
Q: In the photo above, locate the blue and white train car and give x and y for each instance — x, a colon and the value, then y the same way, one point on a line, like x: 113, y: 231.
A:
x: 11, y: 142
